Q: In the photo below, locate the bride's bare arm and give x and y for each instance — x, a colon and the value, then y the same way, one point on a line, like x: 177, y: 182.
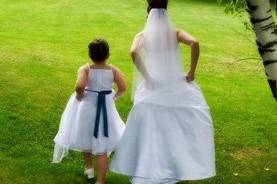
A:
x: 135, y: 55
x: 187, y: 39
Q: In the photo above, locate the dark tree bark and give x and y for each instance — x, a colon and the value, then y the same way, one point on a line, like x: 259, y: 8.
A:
x: 266, y: 33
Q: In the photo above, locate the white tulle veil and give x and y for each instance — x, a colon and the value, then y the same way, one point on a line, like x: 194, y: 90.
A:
x: 159, y: 51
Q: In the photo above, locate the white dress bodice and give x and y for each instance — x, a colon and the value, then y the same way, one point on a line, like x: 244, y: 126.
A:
x: 100, y: 79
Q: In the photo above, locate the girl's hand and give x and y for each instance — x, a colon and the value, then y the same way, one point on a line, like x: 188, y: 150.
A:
x: 190, y: 76
x: 79, y: 97
x: 115, y: 97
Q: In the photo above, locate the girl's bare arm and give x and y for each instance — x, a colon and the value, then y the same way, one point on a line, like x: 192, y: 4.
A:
x: 119, y: 81
x: 81, y: 81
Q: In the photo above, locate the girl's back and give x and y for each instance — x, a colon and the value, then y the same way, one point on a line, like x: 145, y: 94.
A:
x: 100, y: 79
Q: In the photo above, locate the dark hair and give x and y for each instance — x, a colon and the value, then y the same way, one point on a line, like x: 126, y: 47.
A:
x: 98, y: 50
x: 156, y: 4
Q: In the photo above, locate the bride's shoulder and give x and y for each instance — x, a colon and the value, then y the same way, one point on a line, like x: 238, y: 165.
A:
x: 139, y: 35
x: 178, y: 30
x: 137, y: 42
x: 138, y: 39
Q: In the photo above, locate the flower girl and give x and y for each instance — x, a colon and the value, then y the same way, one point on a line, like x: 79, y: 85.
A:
x: 90, y: 122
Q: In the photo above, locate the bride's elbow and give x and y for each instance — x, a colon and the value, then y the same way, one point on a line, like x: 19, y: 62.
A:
x: 195, y: 43
x: 133, y: 55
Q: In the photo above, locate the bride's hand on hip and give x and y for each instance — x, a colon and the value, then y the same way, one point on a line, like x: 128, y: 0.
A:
x: 190, y: 76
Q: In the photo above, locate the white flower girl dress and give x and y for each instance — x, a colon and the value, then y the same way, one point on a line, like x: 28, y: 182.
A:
x: 93, y: 124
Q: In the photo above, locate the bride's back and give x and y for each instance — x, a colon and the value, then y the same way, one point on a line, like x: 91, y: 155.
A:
x: 161, y: 55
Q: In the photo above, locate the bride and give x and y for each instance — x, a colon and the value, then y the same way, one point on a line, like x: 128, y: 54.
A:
x: 169, y: 132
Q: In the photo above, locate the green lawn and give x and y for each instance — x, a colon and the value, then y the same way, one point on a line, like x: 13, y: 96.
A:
x: 43, y: 42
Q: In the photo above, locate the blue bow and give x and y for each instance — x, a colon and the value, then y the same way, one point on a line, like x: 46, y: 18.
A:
x: 101, y: 104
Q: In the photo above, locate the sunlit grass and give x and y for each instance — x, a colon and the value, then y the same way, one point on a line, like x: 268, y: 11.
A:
x: 43, y: 42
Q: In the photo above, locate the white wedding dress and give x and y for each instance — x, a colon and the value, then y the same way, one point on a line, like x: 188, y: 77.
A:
x: 169, y: 132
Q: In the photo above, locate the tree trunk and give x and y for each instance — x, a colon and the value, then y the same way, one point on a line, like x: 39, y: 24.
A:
x: 266, y: 33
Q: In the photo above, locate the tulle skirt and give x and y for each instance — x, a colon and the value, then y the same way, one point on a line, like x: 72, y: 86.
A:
x: 168, y: 137
x: 77, y: 126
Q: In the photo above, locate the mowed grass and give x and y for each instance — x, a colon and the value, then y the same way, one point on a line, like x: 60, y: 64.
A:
x: 43, y: 42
